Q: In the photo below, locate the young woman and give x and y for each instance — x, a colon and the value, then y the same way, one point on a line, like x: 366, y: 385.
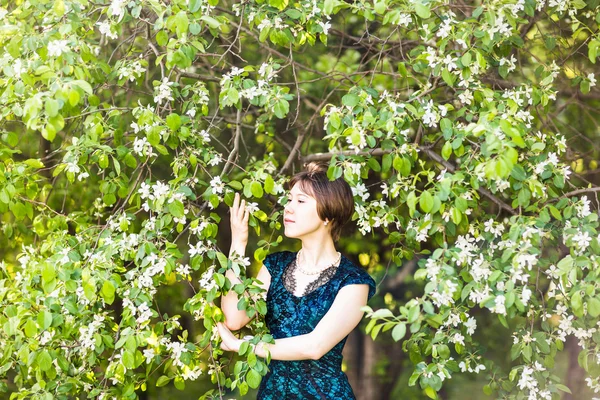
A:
x: 313, y: 296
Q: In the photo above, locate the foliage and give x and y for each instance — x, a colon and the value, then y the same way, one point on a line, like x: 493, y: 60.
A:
x: 126, y: 126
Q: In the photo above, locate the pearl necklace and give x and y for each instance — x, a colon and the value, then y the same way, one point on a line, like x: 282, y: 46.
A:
x: 339, y: 258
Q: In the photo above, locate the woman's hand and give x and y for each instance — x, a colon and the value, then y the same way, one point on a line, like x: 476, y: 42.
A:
x: 229, y: 341
x: 239, y: 216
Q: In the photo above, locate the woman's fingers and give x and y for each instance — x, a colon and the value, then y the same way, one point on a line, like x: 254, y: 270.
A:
x: 238, y: 211
x: 236, y: 205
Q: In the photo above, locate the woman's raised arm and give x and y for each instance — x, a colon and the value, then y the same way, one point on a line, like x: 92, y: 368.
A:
x: 234, y: 318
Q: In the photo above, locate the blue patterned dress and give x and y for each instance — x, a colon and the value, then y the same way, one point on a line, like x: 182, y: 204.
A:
x: 289, y: 315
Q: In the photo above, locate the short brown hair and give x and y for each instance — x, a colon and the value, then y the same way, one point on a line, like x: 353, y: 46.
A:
x: 335, y: 201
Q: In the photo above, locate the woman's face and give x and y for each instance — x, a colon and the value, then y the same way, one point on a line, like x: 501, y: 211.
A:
x: 300, y: 217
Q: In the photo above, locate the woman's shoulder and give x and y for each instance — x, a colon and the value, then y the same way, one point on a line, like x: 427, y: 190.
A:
x: 277, y: 260
x: 354, y: 274
x: 279, y: 256
x: 352, y: 269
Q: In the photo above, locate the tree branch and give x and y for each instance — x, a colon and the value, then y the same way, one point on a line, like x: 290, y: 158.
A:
x: 236, y: 144
x: 437, y: 158
x: 430, y: 153
x: 579, y: 191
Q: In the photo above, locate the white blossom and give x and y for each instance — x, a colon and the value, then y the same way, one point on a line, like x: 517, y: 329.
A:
x: 117, y: 8
x: 360, y: 190
x: 217, y: 185
x: 471, y: 325
x: 499, y: 307
x: 57, y: 47
x: 163, y: 91
x: 184, y: 270
x: 149, y: 354
x: 105, y: 29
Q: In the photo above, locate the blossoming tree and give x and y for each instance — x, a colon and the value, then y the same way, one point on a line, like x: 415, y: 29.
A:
x: 126, y: 127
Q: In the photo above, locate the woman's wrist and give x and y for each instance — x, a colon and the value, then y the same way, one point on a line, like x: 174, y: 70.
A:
x: 238, y: 247
x: 246, y: 338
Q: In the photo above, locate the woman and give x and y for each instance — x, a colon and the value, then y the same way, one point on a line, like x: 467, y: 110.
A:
x: 313, y: 296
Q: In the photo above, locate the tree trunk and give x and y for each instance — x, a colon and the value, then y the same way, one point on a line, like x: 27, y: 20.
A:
x: 362, y: 355
x: 575, y: 374
x: 352, y: 355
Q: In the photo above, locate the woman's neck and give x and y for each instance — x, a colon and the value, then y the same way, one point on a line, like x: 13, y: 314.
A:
x: 317, y: 255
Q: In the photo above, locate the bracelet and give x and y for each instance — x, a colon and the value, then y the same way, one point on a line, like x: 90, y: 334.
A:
x: 248, y: 338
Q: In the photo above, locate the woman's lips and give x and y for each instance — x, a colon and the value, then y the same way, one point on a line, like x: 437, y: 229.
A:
x: 288, y: 221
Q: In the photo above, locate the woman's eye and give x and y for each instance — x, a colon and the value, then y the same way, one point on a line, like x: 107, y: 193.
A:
x: 300, y: 201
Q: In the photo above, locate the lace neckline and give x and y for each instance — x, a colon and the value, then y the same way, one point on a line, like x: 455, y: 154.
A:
x: 324, y: 277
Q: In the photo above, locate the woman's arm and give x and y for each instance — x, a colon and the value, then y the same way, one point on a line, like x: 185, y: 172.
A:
x: 236, y: 319
x: 239, y: 215
x: 343, y: 316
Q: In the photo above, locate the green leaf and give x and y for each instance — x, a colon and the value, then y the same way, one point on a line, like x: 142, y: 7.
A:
x: 281, y: 108
x: 162, y: 38
x: 30, y: 328
x: 48, y: 132
x: 382, y: 313
x: 350, y: 100
x: 375, y: 331
x: 235, y: 185
x: 563, y: 388
x: 162, y: 381
x: 108, y: 292
x: 128, y: 360
x: 422, y: 10
x: 555, y: 213
x: 328, y: 6
x: 109, y: 199
x: 44, y: 360
x: 398, y: 332
x: 448, y: 77
x: 577, y: 304
x: 253, y: 378
x: 194, y: 5
x: 181, y: 23
x: 487, y: 390
x: 293, y: 14
x: 269, y: 185
x: 51, y: 107
x: 593, y: 50
x: 176, y: 209
x: 257, y: 190
x: 430, y: 392
x: 426, y: 201
x: 48, y: 273
x: 280, y: 4
x: 446, y: 126
x: 57, y: 122
x: 44, y: 319
x: 466, y: 59
x: 447, y: 150
x: 594, y: 307
x: 411, y: 202
x: 210, y: 21
x: 34, y: 163
x: 456, y: 215
x: 174, y: 121
x: 83, y: 85
x: 179, y: 383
